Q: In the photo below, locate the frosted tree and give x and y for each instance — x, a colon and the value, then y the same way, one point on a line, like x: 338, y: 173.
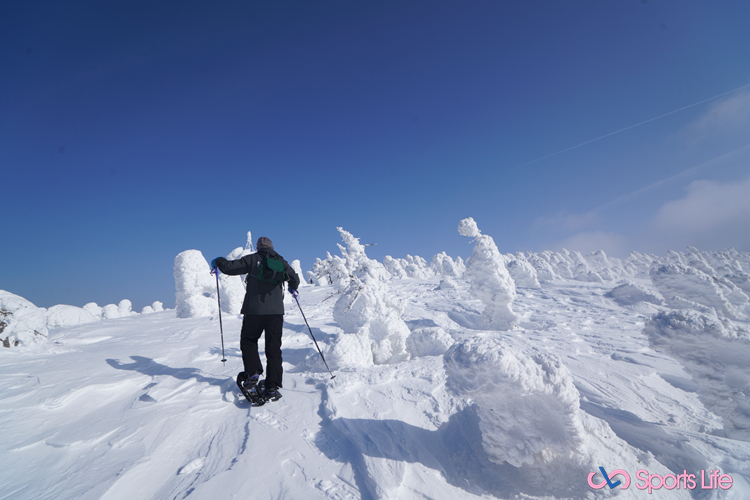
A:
x: 21, y: 322
x: 490, y: 280
x: 339, y: 271
x: 195, y: 288
x: 374, y: 332
x: 443, y: 265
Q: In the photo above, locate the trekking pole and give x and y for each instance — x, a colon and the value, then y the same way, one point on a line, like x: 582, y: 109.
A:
x: 313, y: 336
x: 215, y: 271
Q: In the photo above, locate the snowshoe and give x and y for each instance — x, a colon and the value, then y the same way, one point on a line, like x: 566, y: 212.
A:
x: 249, y: 388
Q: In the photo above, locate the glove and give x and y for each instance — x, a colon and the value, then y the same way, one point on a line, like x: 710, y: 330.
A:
x: 294, y: 293
x: 213, y: 264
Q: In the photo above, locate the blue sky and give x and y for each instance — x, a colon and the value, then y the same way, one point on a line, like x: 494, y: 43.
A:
x: 131, y: 131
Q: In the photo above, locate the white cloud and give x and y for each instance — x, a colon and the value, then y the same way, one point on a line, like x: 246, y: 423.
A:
x: 728, y: 116
x: 711, y: 216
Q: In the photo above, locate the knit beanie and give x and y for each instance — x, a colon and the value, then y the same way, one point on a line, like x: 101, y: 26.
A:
x: 264, y: 244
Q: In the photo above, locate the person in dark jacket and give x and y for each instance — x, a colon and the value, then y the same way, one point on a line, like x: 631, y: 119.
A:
x: 263, y: 309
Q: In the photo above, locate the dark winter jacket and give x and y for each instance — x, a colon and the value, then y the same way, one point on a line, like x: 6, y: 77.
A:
x: 260, y: 297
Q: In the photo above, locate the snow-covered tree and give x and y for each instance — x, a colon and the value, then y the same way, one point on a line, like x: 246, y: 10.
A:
x: 21, y: 322
x: 195, y: 288
x: 374, y: 332
x: 490, y: 280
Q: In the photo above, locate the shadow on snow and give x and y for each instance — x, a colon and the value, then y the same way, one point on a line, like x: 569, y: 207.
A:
x: 455, y: 450
x: 148, y: 366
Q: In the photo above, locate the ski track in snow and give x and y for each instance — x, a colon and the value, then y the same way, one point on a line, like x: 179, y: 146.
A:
x: 142, y: 408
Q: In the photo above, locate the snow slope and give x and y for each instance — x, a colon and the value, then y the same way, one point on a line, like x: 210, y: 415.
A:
x: 607, y: 367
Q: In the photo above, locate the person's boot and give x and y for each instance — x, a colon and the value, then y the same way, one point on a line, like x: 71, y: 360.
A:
x: 271, y: 393
x: 251, y: 382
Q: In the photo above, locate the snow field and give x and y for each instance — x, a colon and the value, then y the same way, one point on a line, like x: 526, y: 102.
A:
x: 635, y: 364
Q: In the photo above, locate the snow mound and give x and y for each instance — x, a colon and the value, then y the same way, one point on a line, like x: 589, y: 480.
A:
x: 428, y: 341
x: 490, y: 280
x: 21, y: 322
x: 195, y: 288
x: 447, y: 284
x: 530, y: 417
x: 528, y: 406
x: 63, y: 316
x: 630, y: 293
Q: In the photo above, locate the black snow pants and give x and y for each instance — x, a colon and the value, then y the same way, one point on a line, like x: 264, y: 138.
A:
x: 253, y: 326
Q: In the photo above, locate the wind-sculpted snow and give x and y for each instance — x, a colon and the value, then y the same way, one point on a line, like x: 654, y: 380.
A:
x: 726, y: 266
x: 428, y: 341
x: 715, y: 352
x: 630, y: 293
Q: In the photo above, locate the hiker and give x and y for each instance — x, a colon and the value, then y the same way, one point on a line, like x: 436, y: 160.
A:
x: 263, y: 309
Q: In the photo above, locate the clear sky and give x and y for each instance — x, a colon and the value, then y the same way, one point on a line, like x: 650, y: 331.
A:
x: 131, y: 131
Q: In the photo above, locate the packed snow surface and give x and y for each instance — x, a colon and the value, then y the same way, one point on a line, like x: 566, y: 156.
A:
x: 637, y: 364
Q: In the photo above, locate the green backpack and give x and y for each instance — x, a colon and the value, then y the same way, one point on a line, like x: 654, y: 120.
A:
x: 271, y: 271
